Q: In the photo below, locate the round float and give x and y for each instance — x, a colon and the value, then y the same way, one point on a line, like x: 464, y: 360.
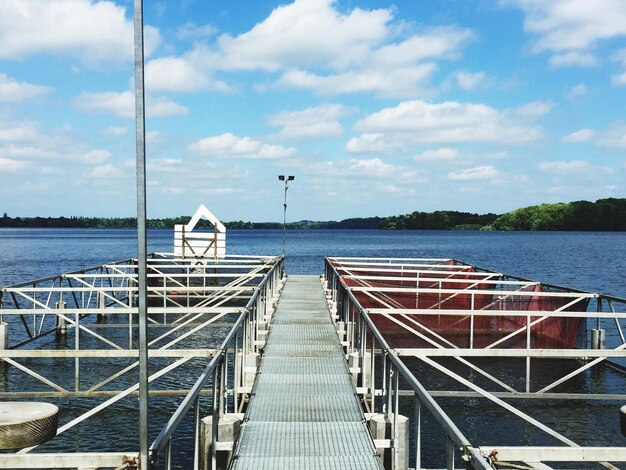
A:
x: 26, y: 424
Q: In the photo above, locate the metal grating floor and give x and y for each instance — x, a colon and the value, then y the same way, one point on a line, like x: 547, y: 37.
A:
x: 304, y: 413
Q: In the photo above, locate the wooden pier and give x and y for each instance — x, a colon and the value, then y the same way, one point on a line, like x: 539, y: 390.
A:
x: 304, y: 412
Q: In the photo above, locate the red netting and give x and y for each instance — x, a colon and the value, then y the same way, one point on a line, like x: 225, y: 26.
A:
x: 399, y: 329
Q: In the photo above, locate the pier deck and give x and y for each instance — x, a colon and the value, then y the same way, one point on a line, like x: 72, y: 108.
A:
x: 304, y: 412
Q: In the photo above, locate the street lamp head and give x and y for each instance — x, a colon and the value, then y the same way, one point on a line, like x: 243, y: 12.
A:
x: 291, y: 178
x: 281, y: 177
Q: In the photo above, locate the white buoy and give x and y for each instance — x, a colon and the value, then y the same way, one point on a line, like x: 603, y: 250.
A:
x: 26, y: 424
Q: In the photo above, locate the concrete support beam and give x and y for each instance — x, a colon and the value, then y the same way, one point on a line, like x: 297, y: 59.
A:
x: 598, y: 339
x: 341, y: 330
x: 102, y: 303
x: 61, y: 323
x: 251, y: 363
x: 396, y: 457
x: 228, y: 428
x: 4, y: 336
x: 361, y: 369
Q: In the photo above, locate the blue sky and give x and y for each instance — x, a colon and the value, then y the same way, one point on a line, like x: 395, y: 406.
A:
x: 377, y: 107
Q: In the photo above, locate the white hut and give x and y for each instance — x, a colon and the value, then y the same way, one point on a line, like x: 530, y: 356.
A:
x: 200, y: 244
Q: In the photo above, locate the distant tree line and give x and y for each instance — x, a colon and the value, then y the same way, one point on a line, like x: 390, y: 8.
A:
x: 438, y: 220
x: 602, y: 215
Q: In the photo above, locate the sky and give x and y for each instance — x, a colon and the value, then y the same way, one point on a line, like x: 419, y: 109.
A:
x: 376, y: 107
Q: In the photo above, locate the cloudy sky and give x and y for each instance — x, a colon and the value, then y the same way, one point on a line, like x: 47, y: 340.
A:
x: 377, y: 107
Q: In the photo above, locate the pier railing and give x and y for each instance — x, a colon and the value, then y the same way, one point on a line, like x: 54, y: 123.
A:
x: 226, y: 374
x: 87, y: 313
x: 378, y: 375
x: 365, y: 294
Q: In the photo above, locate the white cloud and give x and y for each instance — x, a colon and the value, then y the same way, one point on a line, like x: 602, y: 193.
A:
x: 96, y: 157
x: 318, y: 130
x: 443, y: 153
x: 468, y: 80
x: 306, y: 32
x: 28, y: 151
x: 193, y: 31
x: 311, y: 123
x: 371, y: 143
x: 570, y: 29
x: 577, y: 91
x: 229, y: 145
x: 375, y: 167
x: 93, y: 30
x: 418, y: 121
x: 18, y: 131
x: 534, y: 108
x: 122, y: 104
x: 166, y: 165
x: 393, y: 82
x: 180, y: 74
x: 9, y: 165
x: 392, y: 189
x: 314, y: 45
x: 364, y: 168
x: 613, y: 137
x: 574, y: 59
x: 619, y: 79
x: 115, y: 131
x: 583, y: 135
x: 106, y: 171
x: 12, y: 90
x: 562, y: 166
x: 433, y: 43
x: 175, y: 74
x: 579, y: 167
x: 477, y: 173
x: 164, y: 107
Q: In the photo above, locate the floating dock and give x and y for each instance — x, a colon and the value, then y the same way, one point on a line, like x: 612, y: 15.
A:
x: 303, y: 412
x: 254, y: 369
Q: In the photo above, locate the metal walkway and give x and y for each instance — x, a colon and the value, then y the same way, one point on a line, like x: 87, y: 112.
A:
x: 304, y: 413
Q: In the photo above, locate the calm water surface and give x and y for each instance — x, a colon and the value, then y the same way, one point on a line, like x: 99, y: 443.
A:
x: 587, y: 261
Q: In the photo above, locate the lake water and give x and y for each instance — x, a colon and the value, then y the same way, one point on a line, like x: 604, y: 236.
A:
x: 586, y: 261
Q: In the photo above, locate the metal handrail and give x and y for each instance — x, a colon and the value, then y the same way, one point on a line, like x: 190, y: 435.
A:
x: 455, y: 436
x: 247, y: 315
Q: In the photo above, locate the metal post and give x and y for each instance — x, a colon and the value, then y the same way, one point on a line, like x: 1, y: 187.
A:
x: 417, y: 407
x: 140, y: 121
x: 450, y: 455
x: 286, y: 179
x: 196, y: 434
x: 285, y: 217
x: 528, y: 343
x: 215, y: 413
x: 396, y: 414
x: 77, y: 347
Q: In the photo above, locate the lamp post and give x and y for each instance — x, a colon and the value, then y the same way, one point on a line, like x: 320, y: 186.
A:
x: 286, y: 179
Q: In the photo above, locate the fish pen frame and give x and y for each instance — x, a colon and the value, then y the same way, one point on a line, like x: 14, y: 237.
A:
x: 378, y: 366
x: 186, y: 297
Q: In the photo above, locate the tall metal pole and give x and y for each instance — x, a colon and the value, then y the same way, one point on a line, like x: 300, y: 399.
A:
x: 144, y: 463
x: 286, y: 179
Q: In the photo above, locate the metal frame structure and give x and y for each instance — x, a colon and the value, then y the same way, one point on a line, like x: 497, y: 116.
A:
x: 353, y: 281
x: 91, y: 315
